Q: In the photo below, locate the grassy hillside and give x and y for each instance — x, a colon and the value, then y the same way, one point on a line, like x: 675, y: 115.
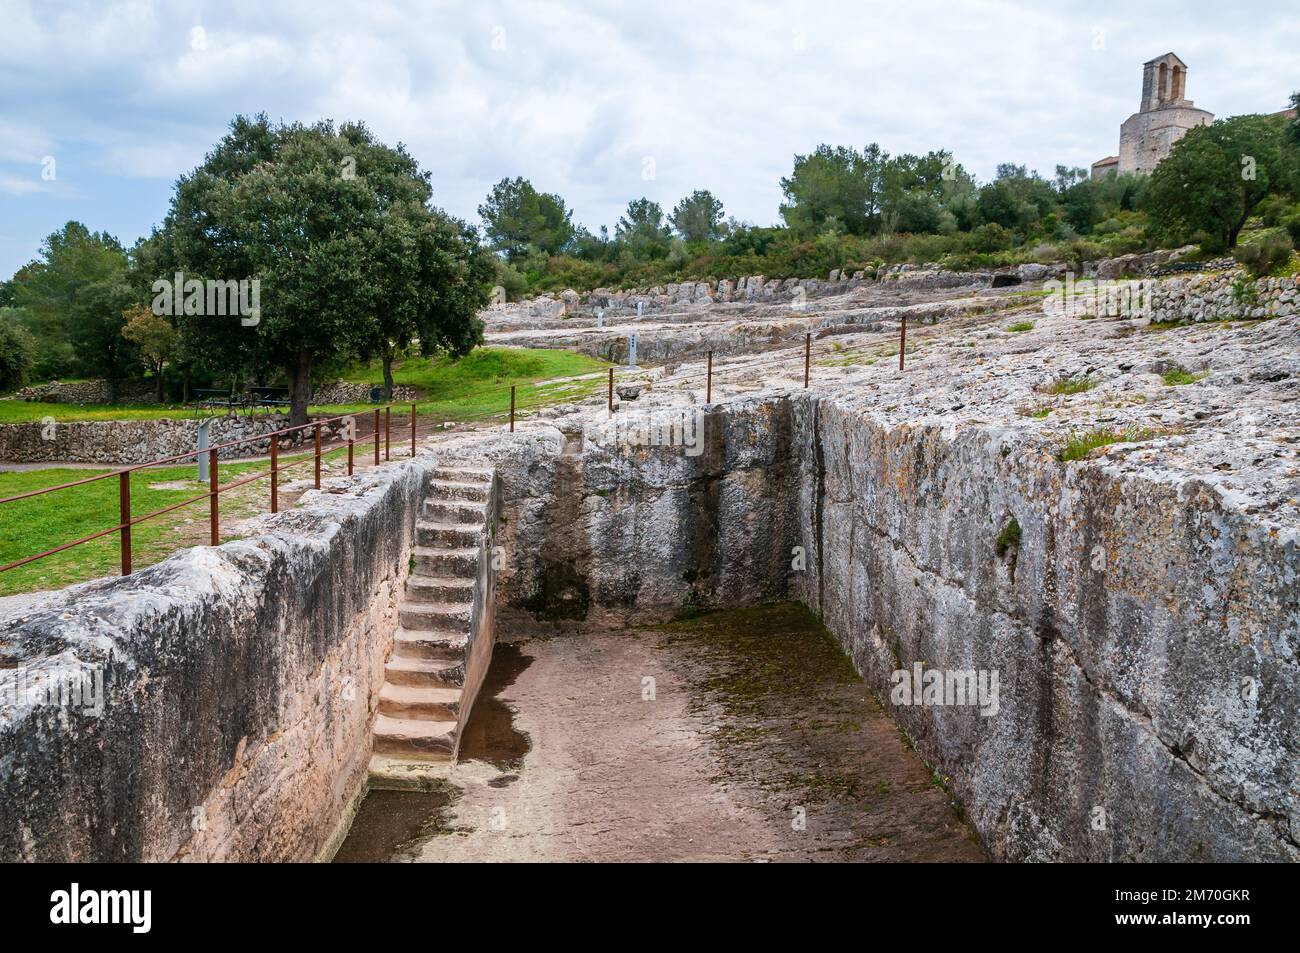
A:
x: 479, y: 383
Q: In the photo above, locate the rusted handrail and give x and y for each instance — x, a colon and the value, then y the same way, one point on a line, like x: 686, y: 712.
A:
x: 162, y: 461
x: 126, y: 521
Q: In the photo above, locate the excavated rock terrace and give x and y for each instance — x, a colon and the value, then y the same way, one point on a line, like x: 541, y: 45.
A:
x: 1234, y: 426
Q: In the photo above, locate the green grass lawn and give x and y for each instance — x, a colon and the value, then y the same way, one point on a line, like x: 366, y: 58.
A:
x: 43, y: 522
x: 475, y: 386
x: 22, y: 411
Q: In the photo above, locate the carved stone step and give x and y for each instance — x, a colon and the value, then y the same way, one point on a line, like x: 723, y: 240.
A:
x: 418, y: 739
x: 453, y: 511
x: 423, y: 672
x: 429, y: 702
x: 448, y: 535
x: 448, y: 647
x: 440, y: 589
x: 462, y: 475
x: 443, y: 561
x: 462, y: 492
x: 436, y: 617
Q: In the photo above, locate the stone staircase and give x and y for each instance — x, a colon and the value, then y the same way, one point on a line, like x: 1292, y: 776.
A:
x: 444, y: 640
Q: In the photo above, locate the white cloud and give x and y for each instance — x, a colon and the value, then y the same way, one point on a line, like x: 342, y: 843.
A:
x: 20, y: 142
x: 575, y: 95
x: 19, y: 185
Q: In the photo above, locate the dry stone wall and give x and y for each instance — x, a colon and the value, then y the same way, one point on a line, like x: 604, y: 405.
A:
x: 351, y: 392
x: 87, y: 392
x: 126, y: 442
x: 1222, y: 295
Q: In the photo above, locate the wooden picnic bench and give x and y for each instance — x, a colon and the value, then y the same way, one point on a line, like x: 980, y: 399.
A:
x: 269, y: 396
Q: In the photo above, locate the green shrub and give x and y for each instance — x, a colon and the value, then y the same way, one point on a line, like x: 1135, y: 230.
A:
x: 1244, y: 292
x: 1292, y: 225
x: 511, y: 281
x: 1267, y: 254
x: 1212, y: 246
x: 1072, y: 385
x: 1177, y: 376
x: 1274, y: 210
x: 1009, y: 538
x: 16, y: 355
x: 1020, y: 326
x: 990, y: 238
x: 1080, y: 445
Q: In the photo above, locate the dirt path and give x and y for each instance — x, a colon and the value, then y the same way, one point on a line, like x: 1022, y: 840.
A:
x: 754, y: 741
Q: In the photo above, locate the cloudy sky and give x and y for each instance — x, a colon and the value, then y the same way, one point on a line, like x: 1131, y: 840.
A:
x: 601, y: 102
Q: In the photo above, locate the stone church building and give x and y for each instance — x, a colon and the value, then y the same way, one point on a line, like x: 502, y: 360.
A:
x: 1163, y: 116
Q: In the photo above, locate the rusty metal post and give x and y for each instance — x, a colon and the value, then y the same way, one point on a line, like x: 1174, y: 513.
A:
x: 611, y: 390
x: 275, y: 474
x: 316, y: 432
x: 512, y: 408
x: 124, y: 517
x: 708, y: 387
x: 413, y: 431
x: 807, y: 358
x: 213, y: 484
x: 350, y: 445
x: 902, y: 341
x: 376, y: 436
x: 388, y: 433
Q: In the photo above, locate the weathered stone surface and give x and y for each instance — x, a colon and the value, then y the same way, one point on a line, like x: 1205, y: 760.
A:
x: 1126, y: 624
x: 1143, y: 622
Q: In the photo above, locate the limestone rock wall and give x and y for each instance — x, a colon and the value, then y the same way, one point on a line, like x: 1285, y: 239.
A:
x: 238, y: 685
x: 87, y: 392
x: 688, y: 299
x: 605, y: 524
x: 746, y: 335
x: 1144, y: 632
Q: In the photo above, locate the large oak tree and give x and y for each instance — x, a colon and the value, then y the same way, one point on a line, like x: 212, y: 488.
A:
x: 324, y: 218
x: 1215, y: 176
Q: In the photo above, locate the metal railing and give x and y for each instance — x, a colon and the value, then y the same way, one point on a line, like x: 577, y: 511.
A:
x: 127, y: 520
